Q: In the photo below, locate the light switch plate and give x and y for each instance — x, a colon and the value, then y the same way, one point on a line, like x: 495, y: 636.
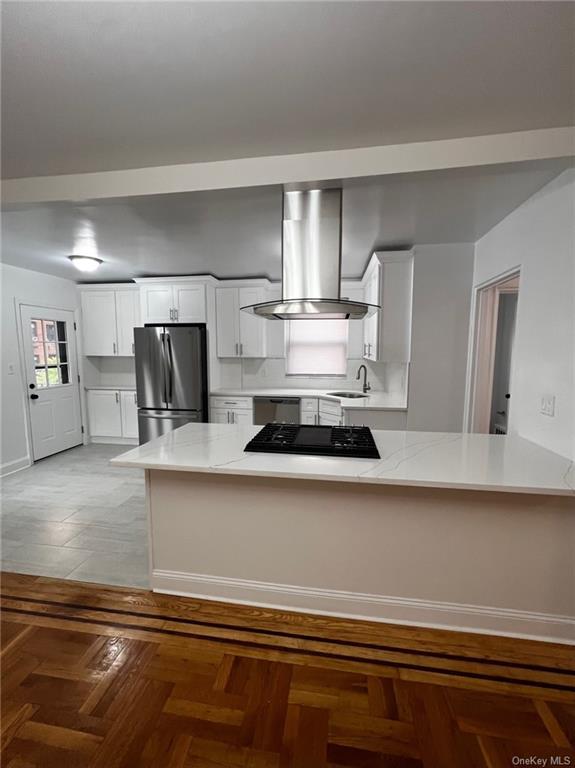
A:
x: 547, y: 405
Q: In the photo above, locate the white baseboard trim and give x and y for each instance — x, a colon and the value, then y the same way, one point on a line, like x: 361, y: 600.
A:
x: 114, y: 440
x: 14, y: 466
x: 397, y: 610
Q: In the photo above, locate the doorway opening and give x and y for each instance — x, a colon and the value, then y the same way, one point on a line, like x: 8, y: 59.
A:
x: 496, y: 309
x: 52, y: 390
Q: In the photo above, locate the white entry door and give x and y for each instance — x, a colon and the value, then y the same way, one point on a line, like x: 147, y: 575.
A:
x: 52, y: 385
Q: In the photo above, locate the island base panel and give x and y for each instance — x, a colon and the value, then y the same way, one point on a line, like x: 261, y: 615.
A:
x: 481, y: 561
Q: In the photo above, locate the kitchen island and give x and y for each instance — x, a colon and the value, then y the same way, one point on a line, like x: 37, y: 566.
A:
x: 460, y: 531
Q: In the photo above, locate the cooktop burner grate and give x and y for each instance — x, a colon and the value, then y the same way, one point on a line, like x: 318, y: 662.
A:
x: 352, y: 442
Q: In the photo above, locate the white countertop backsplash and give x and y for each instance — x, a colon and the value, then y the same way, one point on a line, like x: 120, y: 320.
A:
x: 427, y: 459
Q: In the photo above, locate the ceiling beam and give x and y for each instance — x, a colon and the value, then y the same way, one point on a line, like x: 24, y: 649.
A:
x: 288, y: 169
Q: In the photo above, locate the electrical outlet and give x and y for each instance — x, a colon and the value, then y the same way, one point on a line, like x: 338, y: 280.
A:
x: 547, y: 405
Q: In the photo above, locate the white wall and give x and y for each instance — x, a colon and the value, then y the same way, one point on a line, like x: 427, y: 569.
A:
x: 539, y: 237
x: 442, y: 282
x: 30, y: 288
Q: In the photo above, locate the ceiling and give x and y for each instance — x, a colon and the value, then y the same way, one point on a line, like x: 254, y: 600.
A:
x: 237, y: 233
x: 93, y: 86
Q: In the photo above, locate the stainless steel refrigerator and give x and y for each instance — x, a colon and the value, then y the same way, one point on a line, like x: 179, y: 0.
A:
x: 171, y: 377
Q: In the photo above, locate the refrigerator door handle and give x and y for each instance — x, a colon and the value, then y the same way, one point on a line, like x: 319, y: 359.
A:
x: 165, y: 390
x: 170, y: 368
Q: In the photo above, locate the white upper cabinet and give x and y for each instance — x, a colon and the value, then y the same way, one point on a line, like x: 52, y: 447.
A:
x: 190, y: 303
x: 157, y: 303
x: 355, y: 327
x: 173, y: 303
x: 388, y: 281
x: 228, y: 322
x: 252, y: 328
x: 238, y: 333
x: 99, y: 323
x: 108, y: 321
x: 127, y: 318
x: 275, y: 329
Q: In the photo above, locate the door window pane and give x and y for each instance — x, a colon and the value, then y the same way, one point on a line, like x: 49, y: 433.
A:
x: 41, y: 379
x: 51, y: 354
x: 63, y: 352
x: 64, y: 375
x: 61, y: 330
x: 38, y: 351
x: 49, y: 330
x: 53, y: 376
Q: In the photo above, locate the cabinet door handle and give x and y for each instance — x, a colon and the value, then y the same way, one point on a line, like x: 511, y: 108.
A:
x: 176, y: 314
x: 117, y: 397
x: 171, y: 314
x: 241, y: 349
x: 133, y: 348
x: 135, y: 399
x: 236, y: 347
x: 114, y: 346
x: 228, y: 415
x: 233, y: 417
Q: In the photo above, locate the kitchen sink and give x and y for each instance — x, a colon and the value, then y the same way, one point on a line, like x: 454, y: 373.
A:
x: 347, y: 394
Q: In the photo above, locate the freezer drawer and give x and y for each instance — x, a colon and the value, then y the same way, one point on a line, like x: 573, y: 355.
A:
x: 152, y: 424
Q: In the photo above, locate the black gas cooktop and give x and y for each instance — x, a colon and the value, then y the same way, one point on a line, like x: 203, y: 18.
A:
x: 356, y: 442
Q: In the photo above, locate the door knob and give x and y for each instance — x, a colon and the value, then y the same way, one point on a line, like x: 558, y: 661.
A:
x: 34, y: 397
x: 507, y: 396
x: 32, y: 386
x: 501, y: 413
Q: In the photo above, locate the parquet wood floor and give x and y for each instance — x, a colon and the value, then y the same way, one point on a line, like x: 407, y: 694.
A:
x: 104, y: 677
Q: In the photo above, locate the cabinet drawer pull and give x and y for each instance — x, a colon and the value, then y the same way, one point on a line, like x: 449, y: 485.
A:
x: 114, y: 346
x: 117, y: 397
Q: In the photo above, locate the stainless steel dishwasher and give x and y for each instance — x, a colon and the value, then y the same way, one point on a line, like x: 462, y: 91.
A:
x: 284, y: 410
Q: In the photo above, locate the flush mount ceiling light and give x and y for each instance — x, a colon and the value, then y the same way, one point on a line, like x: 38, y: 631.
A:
x: 85, y: 263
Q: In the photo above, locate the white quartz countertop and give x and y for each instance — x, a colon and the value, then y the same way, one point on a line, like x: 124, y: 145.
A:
x: 112, y: 387
x: 427, y: 459
x: 377, y: 401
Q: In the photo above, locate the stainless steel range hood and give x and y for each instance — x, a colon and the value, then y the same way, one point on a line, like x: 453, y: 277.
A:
x: 311, y: 262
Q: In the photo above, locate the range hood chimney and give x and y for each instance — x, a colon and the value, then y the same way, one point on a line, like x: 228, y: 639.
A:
x: 311, y: 262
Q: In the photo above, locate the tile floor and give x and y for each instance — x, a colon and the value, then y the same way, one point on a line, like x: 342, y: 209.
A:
x: 73, y: 516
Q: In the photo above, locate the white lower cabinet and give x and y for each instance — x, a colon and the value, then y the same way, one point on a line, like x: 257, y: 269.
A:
x: 242, y: 417
x: 329, y: 421
x: 112, y: 413
x: 330, y: 413
x: 129, y: 408
x: 231, y: 410
x: 309, y: 413
x: 104, y: 413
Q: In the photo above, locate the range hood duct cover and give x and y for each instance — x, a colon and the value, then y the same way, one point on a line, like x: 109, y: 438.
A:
x: 311, y: 262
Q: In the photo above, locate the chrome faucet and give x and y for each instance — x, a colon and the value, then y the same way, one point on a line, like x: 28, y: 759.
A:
x: 366, y: 385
